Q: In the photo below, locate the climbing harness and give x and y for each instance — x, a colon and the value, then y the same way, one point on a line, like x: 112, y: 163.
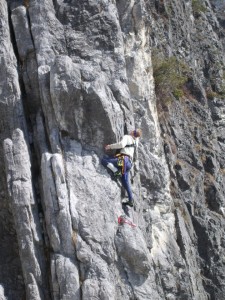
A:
x: 123, y: 220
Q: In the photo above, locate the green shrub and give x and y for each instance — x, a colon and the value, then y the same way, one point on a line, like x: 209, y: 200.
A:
x: 211, y: 95
x: 178, y: 93
x: 170, y: 75
x: 198, y: 6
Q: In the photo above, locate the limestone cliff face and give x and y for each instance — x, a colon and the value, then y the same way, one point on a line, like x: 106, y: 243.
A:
x: 74, y: 76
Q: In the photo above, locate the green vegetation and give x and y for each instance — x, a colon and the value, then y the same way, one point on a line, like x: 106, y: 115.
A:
x: 198, y: 6
x: 211, y: 94
x: 178, y: 93
x: 170, y: 76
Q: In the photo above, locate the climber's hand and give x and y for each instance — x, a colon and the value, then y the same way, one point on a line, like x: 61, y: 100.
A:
x: 107, y: 147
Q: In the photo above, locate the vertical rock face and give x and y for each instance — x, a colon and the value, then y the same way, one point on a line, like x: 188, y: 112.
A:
x: 74, y: 76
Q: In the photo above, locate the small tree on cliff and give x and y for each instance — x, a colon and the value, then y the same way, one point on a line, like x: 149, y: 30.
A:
x: 170, y: 75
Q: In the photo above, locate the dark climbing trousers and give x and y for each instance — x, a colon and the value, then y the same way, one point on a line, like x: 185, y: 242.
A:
x: 125, y: 177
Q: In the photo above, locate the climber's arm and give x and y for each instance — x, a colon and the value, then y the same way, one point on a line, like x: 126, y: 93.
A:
x: 119, y: 145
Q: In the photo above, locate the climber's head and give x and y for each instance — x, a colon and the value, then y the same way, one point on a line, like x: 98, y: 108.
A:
x: 136, y: 133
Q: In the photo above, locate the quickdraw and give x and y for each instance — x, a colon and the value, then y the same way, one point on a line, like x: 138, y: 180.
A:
x: 120, y: 162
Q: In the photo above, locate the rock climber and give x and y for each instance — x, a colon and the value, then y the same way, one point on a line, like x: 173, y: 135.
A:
x: 121, y: 163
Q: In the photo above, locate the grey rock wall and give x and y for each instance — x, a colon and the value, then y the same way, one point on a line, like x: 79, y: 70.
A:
x: 74, y: 76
